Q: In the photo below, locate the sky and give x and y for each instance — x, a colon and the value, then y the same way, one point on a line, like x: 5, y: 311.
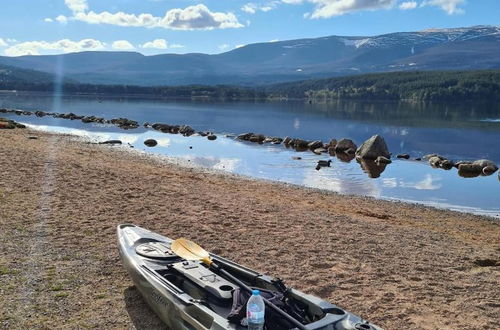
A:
x: 39, y: 27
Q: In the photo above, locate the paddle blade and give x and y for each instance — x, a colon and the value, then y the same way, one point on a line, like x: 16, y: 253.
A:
x: 190, y: 251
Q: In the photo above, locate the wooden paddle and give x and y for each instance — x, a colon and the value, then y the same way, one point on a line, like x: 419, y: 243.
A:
x: 191, y: 251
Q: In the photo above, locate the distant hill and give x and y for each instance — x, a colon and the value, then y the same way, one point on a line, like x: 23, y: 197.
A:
x: 14, y: 78
x: 263, y: 63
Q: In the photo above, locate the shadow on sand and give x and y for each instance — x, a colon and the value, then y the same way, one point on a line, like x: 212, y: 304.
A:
x: 141, y: 315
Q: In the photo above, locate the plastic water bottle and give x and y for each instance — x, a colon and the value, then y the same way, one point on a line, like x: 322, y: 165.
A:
x: 255, y: 311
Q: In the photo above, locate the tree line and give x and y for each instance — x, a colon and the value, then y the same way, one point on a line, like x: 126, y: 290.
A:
x: 417, y: 86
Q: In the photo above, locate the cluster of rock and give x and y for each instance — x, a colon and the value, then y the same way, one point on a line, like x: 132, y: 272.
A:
x: 318, y: 147
x: 172, y: 129
x: 373, y: 154
x: 466, y: 169
x: 10, y: 124
x: 122, y: 123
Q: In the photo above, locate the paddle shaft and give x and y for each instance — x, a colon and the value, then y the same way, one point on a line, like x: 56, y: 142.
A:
x: 269, y: 304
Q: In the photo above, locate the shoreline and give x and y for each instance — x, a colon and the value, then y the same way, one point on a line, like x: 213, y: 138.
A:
x: 172, y: 160
x: 398, y: 265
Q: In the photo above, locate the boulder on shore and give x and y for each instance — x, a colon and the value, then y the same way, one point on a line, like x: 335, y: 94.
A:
x: 10, y: 124
x: 111, y: 142
x: 373, y: 148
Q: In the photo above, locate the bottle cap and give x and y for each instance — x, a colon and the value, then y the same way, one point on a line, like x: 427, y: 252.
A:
x: 255, y: 292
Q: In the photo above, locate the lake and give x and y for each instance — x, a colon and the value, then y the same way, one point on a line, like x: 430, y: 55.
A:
x: 465, y: 131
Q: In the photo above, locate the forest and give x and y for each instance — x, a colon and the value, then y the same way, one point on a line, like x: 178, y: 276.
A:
x: 415, y: 86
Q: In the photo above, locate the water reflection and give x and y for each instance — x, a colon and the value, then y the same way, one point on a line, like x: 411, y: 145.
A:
x: 372, y: 168
x: 428, y: 183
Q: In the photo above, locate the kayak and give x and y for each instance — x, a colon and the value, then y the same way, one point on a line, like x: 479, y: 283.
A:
x: 187, y: 294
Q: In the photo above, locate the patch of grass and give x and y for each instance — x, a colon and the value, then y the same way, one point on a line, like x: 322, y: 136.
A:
x: 100, y: 296
x: 7, y: 271
x: 61, y: 295
x: 57, y: 287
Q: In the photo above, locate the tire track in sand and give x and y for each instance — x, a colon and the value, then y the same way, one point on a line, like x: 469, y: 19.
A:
x: 38, y: 246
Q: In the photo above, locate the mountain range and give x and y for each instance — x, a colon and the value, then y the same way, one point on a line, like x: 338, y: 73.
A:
x: 468, y: 48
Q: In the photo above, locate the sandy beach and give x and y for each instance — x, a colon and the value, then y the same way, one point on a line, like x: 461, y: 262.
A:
x: 398, y: 265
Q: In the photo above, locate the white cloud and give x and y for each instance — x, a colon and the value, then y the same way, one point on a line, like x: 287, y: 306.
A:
x: 157, y: 44
x: 3, y: 43
x: 177, y: 46
x: 408, y: 5
x: 122, y: 45
x: 239, y: 46
x: 62, y: 19
x: 64, y: 45
x: 196, y: 17
x: 274, y: 40
x: 451, y: 7
x: 252, y: 8
x: 77, y: 6
x: 331, y: 8
x: 249, y: 8
x: 223, y: 47
x: 48, y: 20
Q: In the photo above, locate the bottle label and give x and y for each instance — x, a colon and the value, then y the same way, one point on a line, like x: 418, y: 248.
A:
x: 256, y: 317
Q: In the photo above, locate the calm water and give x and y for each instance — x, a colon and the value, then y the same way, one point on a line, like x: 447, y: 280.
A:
x: 460, y: 131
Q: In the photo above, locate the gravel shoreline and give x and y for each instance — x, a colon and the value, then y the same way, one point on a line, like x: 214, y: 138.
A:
x: 401, y: 266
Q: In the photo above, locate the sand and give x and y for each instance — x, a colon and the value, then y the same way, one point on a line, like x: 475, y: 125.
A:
x: 399, y: 265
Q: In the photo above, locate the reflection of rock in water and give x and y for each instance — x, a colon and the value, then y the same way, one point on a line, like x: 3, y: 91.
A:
x: 346, y: 158
x: 372, y: 168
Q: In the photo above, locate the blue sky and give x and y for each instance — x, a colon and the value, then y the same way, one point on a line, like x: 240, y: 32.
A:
x: 214, y: 26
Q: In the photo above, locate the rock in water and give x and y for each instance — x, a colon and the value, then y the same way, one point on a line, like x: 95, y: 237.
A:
x: 345, y: 144
x: 446, y: 164
x: 373, y: 148
x: 383, y: 160
x: 319, y: 151
x: 315, y: 145
x: 485, y: 163
x: 403, y: 156
x: 435, y: 161
x: 111, y: 142
x: 469, y: 170
x: 211, y: 137
x: 332, y: 144
x: 151, y: 142
x: 244, y: 137
x: 489, y: 170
